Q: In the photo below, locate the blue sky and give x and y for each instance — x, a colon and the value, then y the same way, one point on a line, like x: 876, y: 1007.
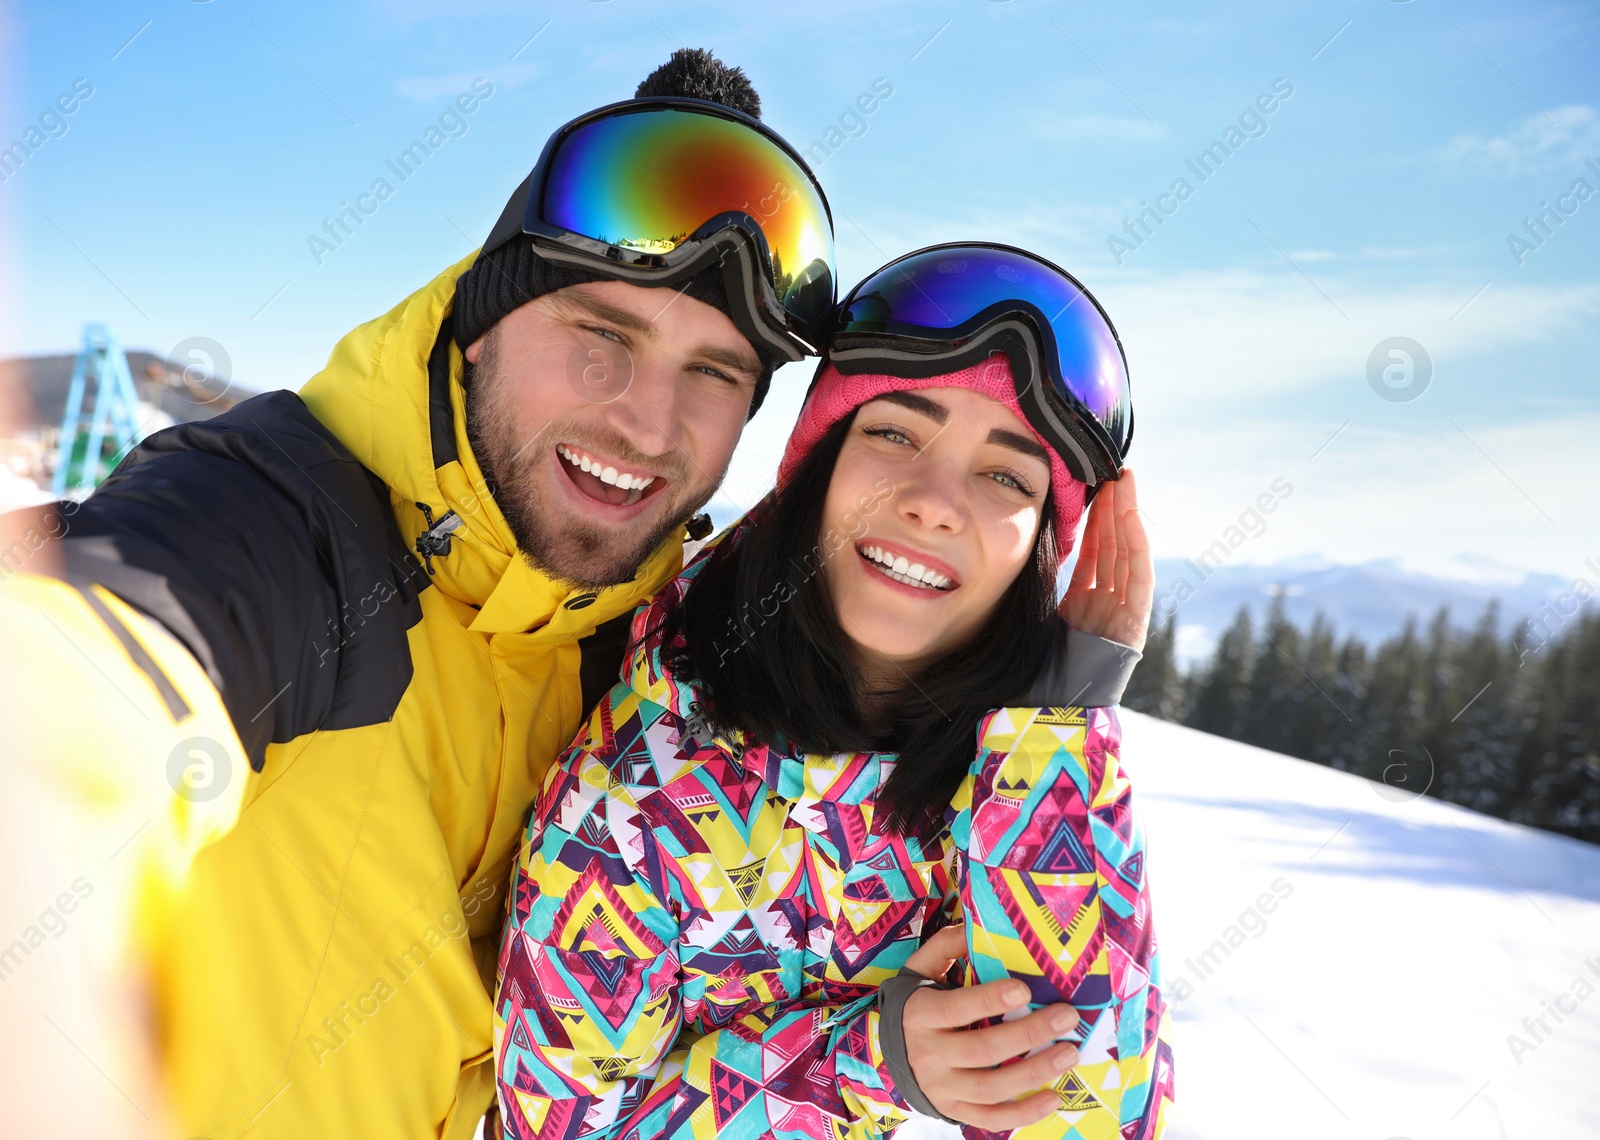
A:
x: 1374, y: 202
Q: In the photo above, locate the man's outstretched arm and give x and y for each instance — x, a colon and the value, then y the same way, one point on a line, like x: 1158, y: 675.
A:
x: 266, y: 550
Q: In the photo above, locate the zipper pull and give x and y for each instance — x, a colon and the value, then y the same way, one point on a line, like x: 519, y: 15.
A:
x: 436, y: 539
x: 697, y: 730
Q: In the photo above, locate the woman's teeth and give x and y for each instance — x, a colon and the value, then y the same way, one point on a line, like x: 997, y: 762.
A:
x: 605, y: 474
x: 901, y: 569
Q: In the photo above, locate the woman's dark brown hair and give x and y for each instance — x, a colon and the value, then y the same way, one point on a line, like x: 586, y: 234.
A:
x: 761, y: 639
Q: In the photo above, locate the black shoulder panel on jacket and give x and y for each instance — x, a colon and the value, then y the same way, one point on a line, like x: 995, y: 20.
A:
x: 601, y: 656
x: 441, y: 418
x: 261, y: 543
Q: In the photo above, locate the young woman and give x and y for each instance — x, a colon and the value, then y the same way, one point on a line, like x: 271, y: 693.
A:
x: 855, y: 751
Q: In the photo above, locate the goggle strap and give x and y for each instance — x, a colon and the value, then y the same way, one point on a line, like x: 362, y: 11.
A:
x: 738, y: 273
x: 1079, y: 449
x: 509, y: 224
x: 1088, y: 454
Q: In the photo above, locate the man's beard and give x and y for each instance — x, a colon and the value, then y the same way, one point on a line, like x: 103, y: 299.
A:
x: 587, y: 553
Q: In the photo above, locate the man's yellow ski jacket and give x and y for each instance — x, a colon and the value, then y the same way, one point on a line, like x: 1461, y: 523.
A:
x: 348, y: 686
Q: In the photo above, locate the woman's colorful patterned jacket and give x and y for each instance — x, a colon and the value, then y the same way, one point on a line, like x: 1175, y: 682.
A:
x: 699, y: 925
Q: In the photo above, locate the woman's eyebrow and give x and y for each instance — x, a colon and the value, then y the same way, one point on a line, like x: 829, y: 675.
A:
x: 934, y: 410
x: 1022, y: 443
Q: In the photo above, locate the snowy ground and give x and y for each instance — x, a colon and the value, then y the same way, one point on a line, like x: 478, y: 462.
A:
x: 1379, y: 998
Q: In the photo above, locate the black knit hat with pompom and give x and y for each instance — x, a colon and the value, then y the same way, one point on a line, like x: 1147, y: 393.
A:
x: 515, y: 274
x: 694, y: 73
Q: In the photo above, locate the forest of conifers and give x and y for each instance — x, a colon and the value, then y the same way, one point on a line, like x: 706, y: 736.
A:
x: 1507, y: 724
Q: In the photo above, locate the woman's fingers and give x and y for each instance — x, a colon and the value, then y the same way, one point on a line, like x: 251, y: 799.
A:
x: 1083, y: 569
x: 929, y: 1008
x: 1113, y: 583
x: 1082, y: 596
x: 999, y: 1086
x: 975, y: 1075
x: 1127, y: 491
x: 981, y: 1048
x: 1141, y: 585
x: 1125, y: 506
x: 934, y: 957
x: 1106, y: 562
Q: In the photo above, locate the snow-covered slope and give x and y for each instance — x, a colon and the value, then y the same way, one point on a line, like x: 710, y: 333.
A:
x: 1386, y: 995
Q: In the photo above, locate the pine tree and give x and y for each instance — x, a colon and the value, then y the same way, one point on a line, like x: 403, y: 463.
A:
x: 1221, y: 693
x: 1275, y: 694
x: 1559, y: 760
x: 1352, y: 675
x: 1389, y: 726
x: 1322, y: 715
x: 1438, y: 701
x: 1479, y: 738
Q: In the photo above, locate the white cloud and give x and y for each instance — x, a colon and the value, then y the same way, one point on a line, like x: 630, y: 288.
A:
x: 1193, y: 337
x: 1377, y: 490
x: 1232, y: 373
x: 1540, y: 144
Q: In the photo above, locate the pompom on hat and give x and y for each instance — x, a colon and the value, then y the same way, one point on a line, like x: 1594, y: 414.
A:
x: 834, y: 396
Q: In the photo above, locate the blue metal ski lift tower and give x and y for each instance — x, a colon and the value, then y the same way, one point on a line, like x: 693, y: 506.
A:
x: 112, y: 417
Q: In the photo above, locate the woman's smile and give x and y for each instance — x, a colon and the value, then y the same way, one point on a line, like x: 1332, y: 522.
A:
x: 919, y: 572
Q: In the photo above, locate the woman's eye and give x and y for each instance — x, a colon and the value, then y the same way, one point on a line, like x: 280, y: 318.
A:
x: 1013, y: 480
x: 891, y: 434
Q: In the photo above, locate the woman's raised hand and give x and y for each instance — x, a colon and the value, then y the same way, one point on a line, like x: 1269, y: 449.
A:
x: 1114, y: 580
x: 955, y: 1064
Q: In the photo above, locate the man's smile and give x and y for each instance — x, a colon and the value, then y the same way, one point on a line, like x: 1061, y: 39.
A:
x: 604, y: 481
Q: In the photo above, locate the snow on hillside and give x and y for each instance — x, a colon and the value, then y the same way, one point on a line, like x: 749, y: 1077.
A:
x: 1396, y: 991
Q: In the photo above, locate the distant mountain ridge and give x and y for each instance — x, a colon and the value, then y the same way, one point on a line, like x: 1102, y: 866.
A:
x: 1371, y: 599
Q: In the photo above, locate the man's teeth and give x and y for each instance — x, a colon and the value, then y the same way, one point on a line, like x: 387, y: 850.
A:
x: 605, y: 474
x: 902, y: 569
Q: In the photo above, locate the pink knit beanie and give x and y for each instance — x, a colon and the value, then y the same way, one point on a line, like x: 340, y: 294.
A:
x: 836, y: 396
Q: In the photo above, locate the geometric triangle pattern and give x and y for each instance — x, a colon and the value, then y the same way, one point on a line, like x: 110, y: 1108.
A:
x: 731, y: 1090
x: 699, y: 924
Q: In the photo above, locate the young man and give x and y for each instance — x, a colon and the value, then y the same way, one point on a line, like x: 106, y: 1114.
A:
x: 308, y: 662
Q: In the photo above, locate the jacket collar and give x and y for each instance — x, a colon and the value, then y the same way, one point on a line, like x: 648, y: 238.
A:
x: 392, y: 393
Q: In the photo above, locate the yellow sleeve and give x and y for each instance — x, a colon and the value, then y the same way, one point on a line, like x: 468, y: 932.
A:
x: 118, y: 766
